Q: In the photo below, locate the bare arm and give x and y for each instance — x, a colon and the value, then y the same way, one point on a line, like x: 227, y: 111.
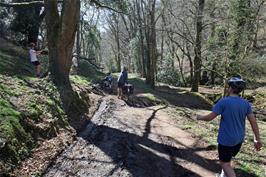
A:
x: 255, y: 129
x: 38, y: 52
x: 207, y: 117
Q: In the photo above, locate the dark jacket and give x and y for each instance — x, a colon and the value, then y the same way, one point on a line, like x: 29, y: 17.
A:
x: 122, y: 77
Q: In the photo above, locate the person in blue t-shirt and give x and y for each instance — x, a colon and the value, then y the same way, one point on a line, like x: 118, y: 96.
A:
x: 233, y: 110
x: 121, y: 81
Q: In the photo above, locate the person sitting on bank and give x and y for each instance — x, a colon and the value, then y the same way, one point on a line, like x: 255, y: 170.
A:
x: 33, y: 58
x: 109, y: 77
x: 121, y: 81
x: 107, y: 81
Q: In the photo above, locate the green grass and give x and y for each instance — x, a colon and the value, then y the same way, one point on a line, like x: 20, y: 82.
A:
x: 17, y: 140
x: 22, y: 102
x: 200, y: 96
x: 170, y: 95
x: 151, y: 97
x: 10, y: 65
x: 80, y: 80
x: 140, y: 84
x: 87, y: 74
x: 25, y: 102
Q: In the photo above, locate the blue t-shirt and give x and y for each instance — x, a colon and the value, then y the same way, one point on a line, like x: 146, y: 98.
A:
x: 233, y: 111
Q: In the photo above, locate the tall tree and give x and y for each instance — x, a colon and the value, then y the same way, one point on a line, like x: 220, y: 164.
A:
x: 61, y: 29
x: 141, y: 37
x: 150, y: 32
x: 240, y: 36
x: 198, y: 46
x: 115, y: 30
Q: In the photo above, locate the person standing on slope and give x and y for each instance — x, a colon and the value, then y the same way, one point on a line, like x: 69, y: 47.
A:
x: 33, y: 58
x: 233, y: 110
x: 121, y: 81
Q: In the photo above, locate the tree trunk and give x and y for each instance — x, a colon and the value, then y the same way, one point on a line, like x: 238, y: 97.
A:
x: 190, y: 64
x: 181, y: 69
x: 197, y: 49
x: 142, y: 46
x: 78, y: 41
x: 151, y: 43
x: 114, y: 25
x: 61, y: 32
x: 117, y: 39
x: 61, y: 37
x: 213, y: 74
x: 213, y: 28
x: 173, y: 53
x: 118, y: 50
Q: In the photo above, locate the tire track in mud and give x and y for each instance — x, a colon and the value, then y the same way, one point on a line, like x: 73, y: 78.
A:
x: 117, y: 143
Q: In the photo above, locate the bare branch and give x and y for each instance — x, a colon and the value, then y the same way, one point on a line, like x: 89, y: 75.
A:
x: 101, y: 5
x: 21, y: 4
x: 24, y: 4
x: 175, y: 32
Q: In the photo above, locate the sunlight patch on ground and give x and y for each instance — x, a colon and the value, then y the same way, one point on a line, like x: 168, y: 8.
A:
x: 157, y: 153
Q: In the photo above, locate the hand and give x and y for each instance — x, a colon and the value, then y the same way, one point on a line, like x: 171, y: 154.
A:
x: 199, y: 117
x: 257, y: 145
x: 194, y: 116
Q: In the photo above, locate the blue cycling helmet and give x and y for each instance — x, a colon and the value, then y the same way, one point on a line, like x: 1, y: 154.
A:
x: 237, y: 83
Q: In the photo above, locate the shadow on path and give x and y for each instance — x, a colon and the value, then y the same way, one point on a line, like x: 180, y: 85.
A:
x: 138, y: 155
x: 143, y: 157
x: 148, y: 123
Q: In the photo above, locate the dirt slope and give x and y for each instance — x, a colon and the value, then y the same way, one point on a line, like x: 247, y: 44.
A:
x: 137, y: 142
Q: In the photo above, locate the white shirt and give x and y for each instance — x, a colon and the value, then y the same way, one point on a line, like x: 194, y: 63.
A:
x: 75, y: 61
x: 33, y: 55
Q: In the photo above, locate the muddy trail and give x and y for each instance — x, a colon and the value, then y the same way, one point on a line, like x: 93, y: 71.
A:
x: 134, y: 142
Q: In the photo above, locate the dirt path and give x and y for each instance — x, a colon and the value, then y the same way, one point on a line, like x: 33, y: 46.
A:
x: 135, y: 142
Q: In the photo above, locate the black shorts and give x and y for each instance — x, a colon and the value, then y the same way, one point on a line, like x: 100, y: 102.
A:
x: 35, y: 63
x: 227, y: 152
x: 120, y: 85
